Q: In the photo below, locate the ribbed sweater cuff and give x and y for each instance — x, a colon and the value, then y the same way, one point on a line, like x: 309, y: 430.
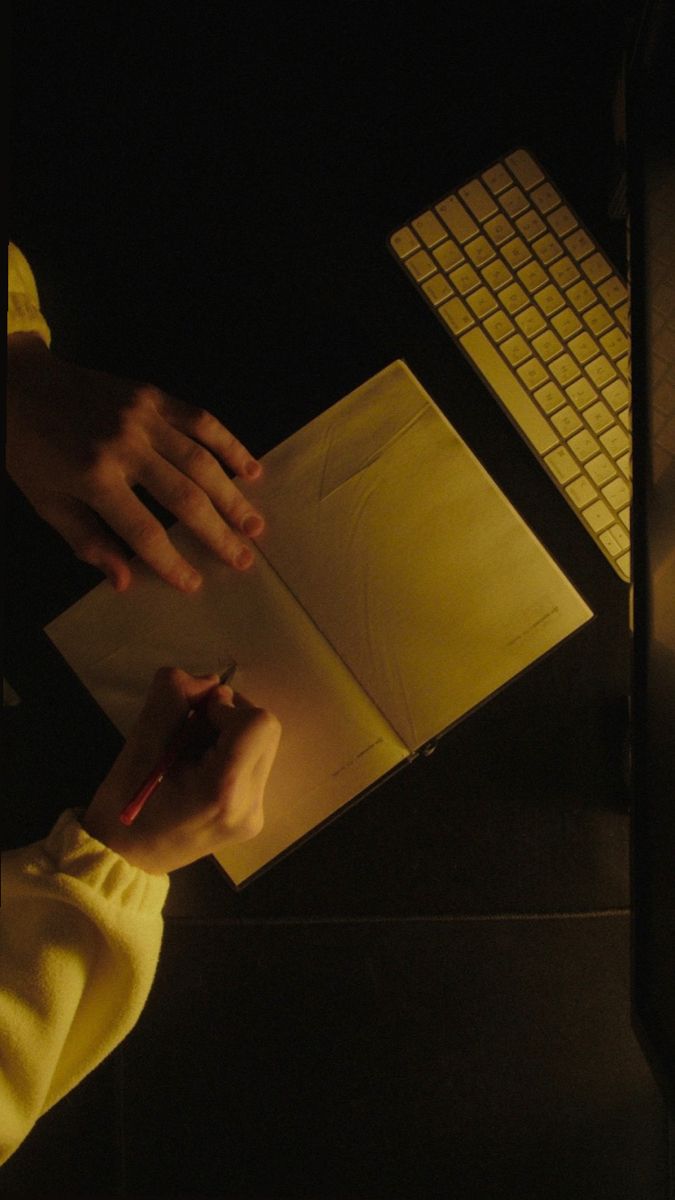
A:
x: 69, y: 850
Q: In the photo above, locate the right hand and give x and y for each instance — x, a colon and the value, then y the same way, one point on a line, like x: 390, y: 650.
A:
x: 199, y: 806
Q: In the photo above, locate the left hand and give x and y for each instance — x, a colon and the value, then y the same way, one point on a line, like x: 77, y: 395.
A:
x: 78, y: 441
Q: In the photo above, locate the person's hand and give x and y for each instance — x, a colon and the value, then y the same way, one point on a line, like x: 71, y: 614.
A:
x: 199, y: 806
x: 79, y: 441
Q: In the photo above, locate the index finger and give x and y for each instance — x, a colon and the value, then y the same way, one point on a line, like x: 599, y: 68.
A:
x: 201, y: 425
x: 122, y: 510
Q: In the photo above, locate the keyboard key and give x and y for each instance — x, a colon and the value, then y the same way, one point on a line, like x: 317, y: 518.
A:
x: 530, y: 225
x: 497, y: 178
x: 532, y: 374
x: 609, y: 541
x: 613, y: 291
x: 566, y: 323
x: 524, y: 168
x: 513, y: 202
x: 499, y: 326
x: 581, y: 394
x: 583, y: 347
x: 515, y: 349
x: 546, y: 198
x: 599, y: 417
x: 622, y: 314
x: 596, y: 267
x: 598, y: 516
x: 437, y: 288
x: 617, y: 531
x: 581, y: 492
x: 547, y: 345
x: 566, y: 421
x: 478, y: 200
x: 614, y: 343
x: 600, y: 371
x: 598, y: 319
x: 515, y: 252
x: 496, y: 274
x: 547, y: 248
x: 584, y: 446
x: 562, y: 220
x: 615, y: 441
x: 581, y: 296
x: 420, y: 265
x: 457, y: 219
x: 616, y: 394
x: 561, y: 464
x: 429, y: 229
x: 482, y: 302
x: 624, y: 565
x: 624, y: 465
x: 530, y: 322
x: 512, y: 395
x: 564, y: 368
x: 479, y: 251
x: 448, y: 254
x: 600, y: 469
x: 455, y: 315
x: 464, y: 279
x: 579, y: 244
x: 549, y: 300
x: 532, y: 276
x: 623, y: 365
x: 499, y: 229
x: 617, y: 493
x: 404, y: 242
x: 564, y: 271
x: 513, y: 298
x: 549, y: 397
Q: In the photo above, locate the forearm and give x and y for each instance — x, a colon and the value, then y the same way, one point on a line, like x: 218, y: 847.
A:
x: 80, y: 930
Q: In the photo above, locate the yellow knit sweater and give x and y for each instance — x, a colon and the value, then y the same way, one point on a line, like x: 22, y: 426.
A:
x: 80, y: 927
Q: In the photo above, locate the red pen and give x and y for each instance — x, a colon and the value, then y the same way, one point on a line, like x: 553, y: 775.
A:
x: 177, y: 746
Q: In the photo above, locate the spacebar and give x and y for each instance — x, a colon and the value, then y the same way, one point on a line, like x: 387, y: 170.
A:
x: 509, y: 391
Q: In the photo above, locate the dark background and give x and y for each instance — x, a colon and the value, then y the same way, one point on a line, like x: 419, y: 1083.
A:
x: 431, y: 997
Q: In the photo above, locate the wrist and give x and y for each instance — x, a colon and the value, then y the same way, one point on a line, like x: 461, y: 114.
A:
x: 116, y: 837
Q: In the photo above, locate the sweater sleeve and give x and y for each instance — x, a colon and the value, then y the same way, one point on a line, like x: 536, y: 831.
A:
x: 23, y: 302
x: 80, y: 933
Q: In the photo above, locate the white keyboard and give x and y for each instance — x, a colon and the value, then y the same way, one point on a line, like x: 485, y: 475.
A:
x: 527, y: 294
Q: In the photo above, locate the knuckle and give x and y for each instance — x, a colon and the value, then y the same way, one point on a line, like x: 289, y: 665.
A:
x: 253, y: 824
x: 87, y: 550
x: 188, y: 499
x: 167, y: 676
x: 142, y: 401
x: 198, y: 460
x: 203, y: 422
x: 146, y: 534
x: 247, y: 826
x: 267, y: 722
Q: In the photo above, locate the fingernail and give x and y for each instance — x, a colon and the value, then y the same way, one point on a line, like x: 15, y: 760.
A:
x: 252, y: 468
x: 243, y: 559
x: 252, y: 524
x: 191, y: 581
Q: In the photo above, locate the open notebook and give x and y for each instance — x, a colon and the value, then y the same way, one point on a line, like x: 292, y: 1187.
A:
x: 394, y: 589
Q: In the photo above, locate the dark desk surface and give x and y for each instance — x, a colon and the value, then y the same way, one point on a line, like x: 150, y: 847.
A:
x: 429, y: 998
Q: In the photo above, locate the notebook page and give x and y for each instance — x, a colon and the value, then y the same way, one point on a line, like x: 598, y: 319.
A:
x: 409, y: 558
